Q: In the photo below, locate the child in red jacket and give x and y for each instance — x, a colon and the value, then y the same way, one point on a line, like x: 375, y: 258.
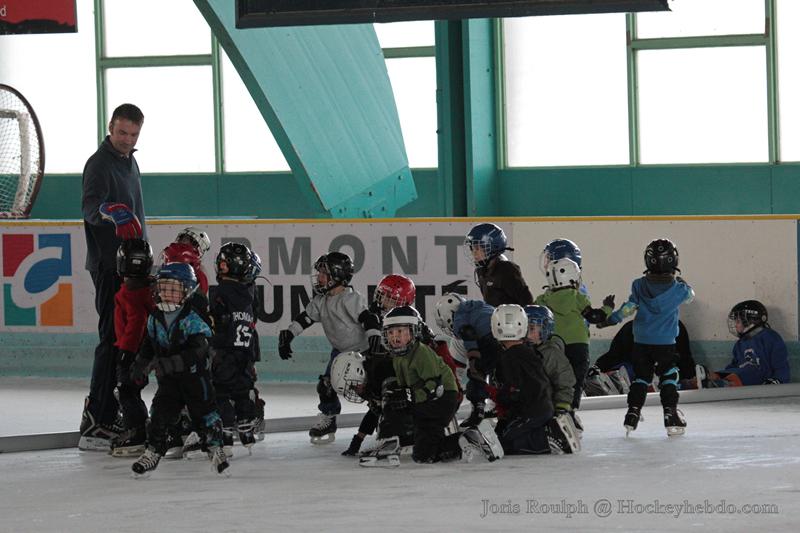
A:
x: 132, y: 305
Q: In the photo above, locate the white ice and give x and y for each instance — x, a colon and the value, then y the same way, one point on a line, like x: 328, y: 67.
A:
x: 735, y: 454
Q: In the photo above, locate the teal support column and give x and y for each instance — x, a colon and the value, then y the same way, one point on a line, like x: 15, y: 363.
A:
x: 480, y: 122
x: 325, y: 94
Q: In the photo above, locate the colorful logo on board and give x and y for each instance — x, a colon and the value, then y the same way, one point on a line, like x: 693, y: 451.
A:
x: 37, y: 271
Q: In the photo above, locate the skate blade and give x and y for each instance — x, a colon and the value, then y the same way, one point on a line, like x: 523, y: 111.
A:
x: 325, y: 439
x: 675, y: 431
x: 176, y: 452
x: 127, y: 451
x: 388, y: 461
x: 225, y: 472
x: 629, y: 430
x: 143, y: 475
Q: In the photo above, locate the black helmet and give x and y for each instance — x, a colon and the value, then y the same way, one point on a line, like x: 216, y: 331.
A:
x: 134, y: 258
x: 661, y: 257
x: 237, y: 257
x: 338, y: 267
x: 405, y: 315
x: 750, y: 313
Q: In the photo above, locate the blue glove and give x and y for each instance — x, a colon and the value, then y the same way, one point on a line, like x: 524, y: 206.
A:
x: 128, y: 226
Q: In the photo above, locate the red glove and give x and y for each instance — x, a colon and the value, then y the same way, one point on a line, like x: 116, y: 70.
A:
x: 128, y: 226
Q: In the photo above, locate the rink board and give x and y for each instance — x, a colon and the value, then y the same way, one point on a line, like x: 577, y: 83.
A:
x: 47, y: 309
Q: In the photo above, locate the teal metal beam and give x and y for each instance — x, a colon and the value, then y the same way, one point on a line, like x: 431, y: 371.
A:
x: 479, y: 117
x: 100, y: 73
x: 325, y: 93
x: 633, y: 92
x: 409, y: 51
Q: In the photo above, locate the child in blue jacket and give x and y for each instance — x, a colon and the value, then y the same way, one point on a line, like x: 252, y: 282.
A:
x: 655, y: 299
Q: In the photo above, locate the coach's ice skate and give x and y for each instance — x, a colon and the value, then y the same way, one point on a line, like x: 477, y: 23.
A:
x: 324, y: 432
x: 674, y: 421
x: 632, y: 419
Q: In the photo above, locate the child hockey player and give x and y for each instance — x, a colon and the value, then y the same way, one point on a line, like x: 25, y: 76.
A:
x: 176, y: 345
x: 559, y: 249
x: 132, y: 305
x: 347, y: 323
x: 196, y: 238
x: 572, y: 310
x: 556, y: 365
x: 392, y: 291
x: 232, y: 370
x: 470, y: 321
x: 760, y: 356
x: 434, y: 394
x: 655, y: 299
x: 499, y: 279
x: 523, y: 392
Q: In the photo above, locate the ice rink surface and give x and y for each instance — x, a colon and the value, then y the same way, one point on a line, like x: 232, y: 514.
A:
x: 736, y: 469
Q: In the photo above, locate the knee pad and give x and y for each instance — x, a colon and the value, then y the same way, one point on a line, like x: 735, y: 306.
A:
x: 670, y: 377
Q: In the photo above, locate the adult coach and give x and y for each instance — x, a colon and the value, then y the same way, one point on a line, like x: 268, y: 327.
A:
x: 112, y: 211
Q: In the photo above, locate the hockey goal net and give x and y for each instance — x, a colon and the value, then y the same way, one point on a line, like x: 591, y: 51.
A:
x: 21, y: 154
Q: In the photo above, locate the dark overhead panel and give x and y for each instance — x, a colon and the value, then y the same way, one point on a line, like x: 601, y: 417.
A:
x: 266, y: 13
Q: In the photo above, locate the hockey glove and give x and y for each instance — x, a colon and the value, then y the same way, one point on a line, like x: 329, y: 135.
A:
x: 594, y: 370
x: 603, y: 324
x: 128, y: 226
x: 285, y: 344
x: 166, y: 366
x: 139, y: 371
x: 609, y: 301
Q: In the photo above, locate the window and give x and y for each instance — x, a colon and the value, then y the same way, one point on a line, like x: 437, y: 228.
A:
x: 249, y: 144
x: 703, y: 17
x: 177, y: 102
x: 704, y: 105
x: 789, y: 78
x: 154, y: 28
x: 56, y: 74
x: 565, y: 90
x: 414, y: 85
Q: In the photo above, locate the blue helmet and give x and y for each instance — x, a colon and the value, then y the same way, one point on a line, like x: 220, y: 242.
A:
x: 488, y: 238
x: 543, y: 317
x: 559, y: 249
x: 168, y: 297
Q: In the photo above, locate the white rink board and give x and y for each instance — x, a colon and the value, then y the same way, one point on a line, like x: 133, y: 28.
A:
x: 725, y: 260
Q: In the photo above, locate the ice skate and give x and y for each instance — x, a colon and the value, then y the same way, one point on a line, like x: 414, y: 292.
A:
x: 132, y: 442
x: 219, y: 461
x: 486, y: 439
x: 247, y: 436
x: 386, y: 454
x: 565, y: 425
x: 95, y: 437
x: 193, y: 447
x: 259, y: 423
x: 324, y: 432
x: 674, y: 421
x: 700, y: 375
x: 475, y: 417
x: 632, y: 419
x: 469, y: 450
x: 227, y: 442
x: 145, y: 464
x: 578, y: 423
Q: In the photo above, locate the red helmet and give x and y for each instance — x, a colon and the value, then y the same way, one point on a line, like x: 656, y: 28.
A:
x: 395, y: 290
x: 179, y: 252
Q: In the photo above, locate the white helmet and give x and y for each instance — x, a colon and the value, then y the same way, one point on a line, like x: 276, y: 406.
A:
x: 563, y: 272
x: 347, y: 372
x: 445, y: 309
x: 197, y: 237
x: 509, y: 323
